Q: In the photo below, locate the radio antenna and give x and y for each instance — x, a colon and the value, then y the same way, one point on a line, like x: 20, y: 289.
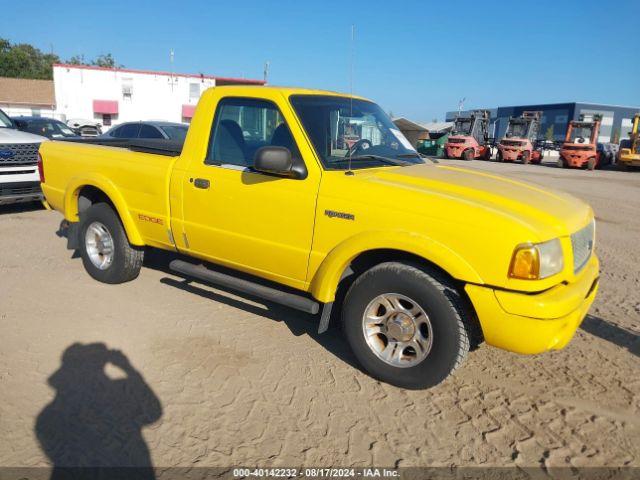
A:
x: 353, y: 34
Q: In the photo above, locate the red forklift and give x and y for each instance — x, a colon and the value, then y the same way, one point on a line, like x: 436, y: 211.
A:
x: 520, y: 141
x: 470, y: 137
x: 580, y: 144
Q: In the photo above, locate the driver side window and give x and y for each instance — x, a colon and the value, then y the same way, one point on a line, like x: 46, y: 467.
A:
x: 241, y: 127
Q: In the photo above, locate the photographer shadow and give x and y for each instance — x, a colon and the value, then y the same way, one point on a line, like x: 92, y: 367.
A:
x: 93, y: 426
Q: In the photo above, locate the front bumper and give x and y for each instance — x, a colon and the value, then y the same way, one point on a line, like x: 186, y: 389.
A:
x: 20, y: 192
x: 534, y: 323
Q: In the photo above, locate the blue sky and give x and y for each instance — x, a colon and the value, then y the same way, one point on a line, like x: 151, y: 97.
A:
x: 415, y: 58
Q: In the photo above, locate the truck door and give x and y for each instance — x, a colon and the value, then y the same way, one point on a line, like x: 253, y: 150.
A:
x: 241, y: 218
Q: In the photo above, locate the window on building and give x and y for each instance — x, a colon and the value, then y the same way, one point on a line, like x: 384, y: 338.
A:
x: 106, y: 119
x: 244, y: 125
x: 127, y: 88
x: 194, y: 91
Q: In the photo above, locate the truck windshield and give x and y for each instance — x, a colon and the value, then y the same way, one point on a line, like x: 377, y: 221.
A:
x: 462, y: 126
x: 5, y: 121
x: 341, y: 128
x: 517, y: 129
x: 580, y: 135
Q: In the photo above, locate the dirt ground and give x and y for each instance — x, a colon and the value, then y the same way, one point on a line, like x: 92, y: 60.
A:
x: 197, y: 376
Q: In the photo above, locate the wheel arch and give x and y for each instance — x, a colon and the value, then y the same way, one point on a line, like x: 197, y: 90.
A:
x: 368, y: 247
x: 82, y: 193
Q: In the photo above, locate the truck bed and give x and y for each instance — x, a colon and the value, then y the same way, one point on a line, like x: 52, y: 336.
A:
x: 170, y: 148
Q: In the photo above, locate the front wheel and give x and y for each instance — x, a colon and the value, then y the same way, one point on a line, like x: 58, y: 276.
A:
x: 526, y: 157
x: 106, y: 252
x: 499, y: 156
x: 469, y: 154
x: 591, y: 163
x: 406, y: 325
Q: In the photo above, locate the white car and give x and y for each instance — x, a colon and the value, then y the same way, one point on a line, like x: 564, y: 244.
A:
x: 19, y: 177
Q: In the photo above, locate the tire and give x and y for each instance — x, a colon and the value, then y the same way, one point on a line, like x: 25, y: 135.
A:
x: 526, y: 157
x: 499, y: 156
x: 487, y: 153
x: 562, y: 163
x: 445, y: 154
x: 102, y: 222
x: 468, y: 154
x: 591, y: 163
x: 448, y: 320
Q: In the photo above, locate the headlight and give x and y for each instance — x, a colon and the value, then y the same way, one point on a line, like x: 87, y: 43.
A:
x: 536, y: 261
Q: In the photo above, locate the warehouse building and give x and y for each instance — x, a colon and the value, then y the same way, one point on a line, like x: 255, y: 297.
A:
x: 111, y: 96
x: 616, y: 120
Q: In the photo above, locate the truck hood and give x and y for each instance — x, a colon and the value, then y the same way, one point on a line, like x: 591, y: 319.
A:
x: 545, y: 212
x: 11, y: 135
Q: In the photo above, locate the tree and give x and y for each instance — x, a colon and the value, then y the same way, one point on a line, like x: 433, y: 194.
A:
x: 21, y: 60
x: 25, y: 61
x: 549, y: 133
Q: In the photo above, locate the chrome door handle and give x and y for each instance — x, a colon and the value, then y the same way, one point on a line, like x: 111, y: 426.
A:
x: 201, y: 183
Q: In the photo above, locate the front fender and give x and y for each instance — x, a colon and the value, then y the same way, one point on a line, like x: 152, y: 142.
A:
x: 326, y: 279
x: 102, y: 183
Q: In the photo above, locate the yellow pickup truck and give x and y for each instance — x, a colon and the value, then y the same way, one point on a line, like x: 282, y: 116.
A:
x: 315, y: 200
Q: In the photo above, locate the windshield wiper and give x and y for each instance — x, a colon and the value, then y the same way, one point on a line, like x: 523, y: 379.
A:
x: 388, y: 161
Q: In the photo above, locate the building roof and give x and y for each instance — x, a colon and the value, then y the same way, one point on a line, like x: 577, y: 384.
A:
x: 26, y: 91
x: 409, y: 125
x: 219, y: 80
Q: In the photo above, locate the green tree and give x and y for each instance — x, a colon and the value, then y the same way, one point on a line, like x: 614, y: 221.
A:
x: 549, y: 133
x: 25, y: 61
x: 107, y: 61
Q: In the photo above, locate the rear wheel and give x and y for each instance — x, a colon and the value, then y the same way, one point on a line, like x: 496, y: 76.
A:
x: 487, y: 153
x: 591, y: 163
x: 468, y: 154
x: 106, y: 252
x: 561, y: 163
x: 499, y: 156
x: 406, y: 325
x: 445, y: 154
x: 526, y: 157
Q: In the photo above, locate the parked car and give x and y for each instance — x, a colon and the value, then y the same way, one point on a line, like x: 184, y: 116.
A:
x: 422, y: 260
x: 149, y: 129
x: 84, y: 127
x: 46, y: 127
x: 19, y: 178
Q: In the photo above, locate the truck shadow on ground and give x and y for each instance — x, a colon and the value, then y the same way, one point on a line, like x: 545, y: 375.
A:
x: 298, y: 323
x: 612, y: 333
x: 93, y: 426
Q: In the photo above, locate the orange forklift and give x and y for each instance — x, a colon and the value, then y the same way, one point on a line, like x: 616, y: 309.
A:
x: 580, y: 144
x: 470, y: 137
x: 520, y: 141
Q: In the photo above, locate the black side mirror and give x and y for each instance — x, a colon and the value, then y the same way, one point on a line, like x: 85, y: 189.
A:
x: 275, y: 161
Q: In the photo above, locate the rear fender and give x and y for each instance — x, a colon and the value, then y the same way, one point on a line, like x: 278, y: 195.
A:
x: 326, y: 279
x: 72, y: 192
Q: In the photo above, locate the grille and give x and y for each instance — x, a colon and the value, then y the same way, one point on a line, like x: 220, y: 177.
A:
x: 582, y: 245
x: 19, y: 154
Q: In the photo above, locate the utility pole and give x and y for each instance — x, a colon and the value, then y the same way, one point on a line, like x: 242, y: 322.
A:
x: 461, y: 105
x: 267, y: 64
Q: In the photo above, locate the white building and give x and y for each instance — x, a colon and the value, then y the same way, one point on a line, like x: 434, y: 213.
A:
x: 26, y: 97
x: 115, y: 95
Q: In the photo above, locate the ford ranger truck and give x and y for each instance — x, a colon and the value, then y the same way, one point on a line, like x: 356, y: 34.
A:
x: 19, y: 179
x: 419, y: 261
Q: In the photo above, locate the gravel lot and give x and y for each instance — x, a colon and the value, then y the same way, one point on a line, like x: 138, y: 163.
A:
x: 216, y: 380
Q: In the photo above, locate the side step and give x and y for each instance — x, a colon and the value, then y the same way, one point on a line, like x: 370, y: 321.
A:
x: 299, y: 302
